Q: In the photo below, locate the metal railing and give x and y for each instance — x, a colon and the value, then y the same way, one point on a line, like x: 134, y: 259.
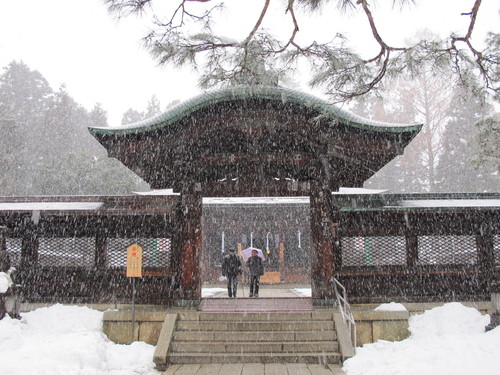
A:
x: 345, y: 310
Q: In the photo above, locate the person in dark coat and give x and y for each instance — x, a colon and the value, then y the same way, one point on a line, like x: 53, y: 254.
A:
x: 4, y: 261
x: 231, y: 268
x: 256, y: 270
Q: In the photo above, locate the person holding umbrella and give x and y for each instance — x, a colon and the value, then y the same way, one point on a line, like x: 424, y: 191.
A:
x: 256, y: 270
x: 231, y: 268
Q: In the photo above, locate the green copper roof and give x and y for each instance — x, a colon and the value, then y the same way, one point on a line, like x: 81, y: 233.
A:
x: 272, y: 93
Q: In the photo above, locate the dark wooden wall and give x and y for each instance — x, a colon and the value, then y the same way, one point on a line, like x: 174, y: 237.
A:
x: 397, y: 270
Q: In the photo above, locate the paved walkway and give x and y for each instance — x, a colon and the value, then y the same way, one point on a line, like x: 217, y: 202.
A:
x: 265, y: 304
x: 265, y: 291
x: 255, y: 369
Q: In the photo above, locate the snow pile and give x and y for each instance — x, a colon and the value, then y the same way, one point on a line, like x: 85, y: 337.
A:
x: 303, y: 292
x: 5, y: 282
x: 67, y: 340
x: 447, y: 340
x: 393, y: 306
x: 211, y: 292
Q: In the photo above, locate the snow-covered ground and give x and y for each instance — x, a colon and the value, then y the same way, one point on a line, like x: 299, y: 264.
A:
x: 302, y: 292
x: 68, y: 340
x: 447, y: 340
x: 210, y: 292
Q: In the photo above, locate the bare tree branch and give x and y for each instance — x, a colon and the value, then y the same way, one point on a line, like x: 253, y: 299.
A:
x: 258, y: 24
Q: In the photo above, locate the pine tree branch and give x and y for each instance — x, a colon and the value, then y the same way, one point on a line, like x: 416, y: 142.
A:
x: 258, y: 23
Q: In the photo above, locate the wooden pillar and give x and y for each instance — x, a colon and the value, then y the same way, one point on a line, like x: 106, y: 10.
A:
x: 490, y: 276
x: 29, y: 250
x: 5, y: 261
x: 411, y: 250
x: 486, y: 256
x: 101, y: 256
x: 3, y: 236
x: 189, y: 245
x: 324, y: 241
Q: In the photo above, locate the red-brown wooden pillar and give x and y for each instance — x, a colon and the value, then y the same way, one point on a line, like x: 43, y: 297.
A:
x: 323, y: 243
x: 190, y: 245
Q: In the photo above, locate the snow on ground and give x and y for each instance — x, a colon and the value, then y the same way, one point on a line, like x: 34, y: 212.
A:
x: 67, y: 340
x: 5, y: 282
x: 210, y: 292
x: 303, y: 292
x: 447, y: 340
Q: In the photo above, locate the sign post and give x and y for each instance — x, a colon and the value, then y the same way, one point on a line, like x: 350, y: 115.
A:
x: 134, y: 269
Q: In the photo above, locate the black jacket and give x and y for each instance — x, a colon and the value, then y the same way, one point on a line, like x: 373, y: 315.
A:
x: 231, y: 265
x: 255, y: 266
x: 4, y: 261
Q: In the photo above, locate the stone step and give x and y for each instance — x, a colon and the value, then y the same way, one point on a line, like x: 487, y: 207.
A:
x: 243, y: 347
x: 256, y: 316
x: 264, y: 336
x: 260, y: 337
x: 184, y: 325
x: 195, y: 358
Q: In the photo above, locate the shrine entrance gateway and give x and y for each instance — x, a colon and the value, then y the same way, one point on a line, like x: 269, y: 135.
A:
x: 256, y: 141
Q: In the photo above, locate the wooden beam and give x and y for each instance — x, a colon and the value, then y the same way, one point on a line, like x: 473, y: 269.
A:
x: 255, y: 188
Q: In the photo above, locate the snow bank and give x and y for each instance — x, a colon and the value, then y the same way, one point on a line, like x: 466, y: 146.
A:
x: 392, y: 306
x: 452, y: 319
x: 4, y: 282
x: 67, y: 340
x: 211, y: 292
x: 447, y: 340
x: 303, y: 292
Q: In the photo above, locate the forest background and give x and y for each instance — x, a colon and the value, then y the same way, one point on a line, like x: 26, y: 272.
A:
x: 450, y: 84
x: 47, y: 149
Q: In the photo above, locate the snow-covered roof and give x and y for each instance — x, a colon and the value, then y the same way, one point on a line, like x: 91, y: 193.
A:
x: 49, y: 206
x: 261, y: 200
x: 157, y: 192
x: 244, y: 92
x: 357, y: 191
x: 434, y: 203
x: 257, y: 200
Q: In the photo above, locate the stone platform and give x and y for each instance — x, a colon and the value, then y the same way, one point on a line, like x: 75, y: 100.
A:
x: 255, y: 369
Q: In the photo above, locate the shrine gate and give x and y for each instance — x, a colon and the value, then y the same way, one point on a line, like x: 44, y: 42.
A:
x: 255, y: 141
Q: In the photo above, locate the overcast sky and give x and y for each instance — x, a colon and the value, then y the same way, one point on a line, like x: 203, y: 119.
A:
x: 100, y: 59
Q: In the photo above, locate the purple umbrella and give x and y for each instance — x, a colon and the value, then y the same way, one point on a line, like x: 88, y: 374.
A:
x: 247, y: 253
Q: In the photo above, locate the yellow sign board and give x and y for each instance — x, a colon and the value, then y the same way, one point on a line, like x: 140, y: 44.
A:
x: 134, y: 261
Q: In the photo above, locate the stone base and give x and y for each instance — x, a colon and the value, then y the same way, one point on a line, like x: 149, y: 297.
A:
x: 494, y: 322
x: 187, y: 302
x: 324, y: 302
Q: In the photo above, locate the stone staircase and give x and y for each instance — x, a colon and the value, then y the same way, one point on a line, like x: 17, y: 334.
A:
x: 254, y: 337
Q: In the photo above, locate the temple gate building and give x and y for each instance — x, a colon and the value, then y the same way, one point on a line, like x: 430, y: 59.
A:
x: 255, y: 141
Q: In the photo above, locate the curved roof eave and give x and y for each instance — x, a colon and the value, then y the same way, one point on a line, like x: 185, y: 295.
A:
x: 284, y: 95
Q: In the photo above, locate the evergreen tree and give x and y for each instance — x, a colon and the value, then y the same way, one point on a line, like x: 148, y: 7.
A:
x: 25, y: 96
x: 47, y: 148
x: 439, y: 158
x: 456, y: 172
x: 98, y: 117
x: 132, y: 116
x: 488, y: 140
x: 153, y: 108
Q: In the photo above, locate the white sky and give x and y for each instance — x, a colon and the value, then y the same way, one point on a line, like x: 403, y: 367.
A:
x: 99, y: 59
